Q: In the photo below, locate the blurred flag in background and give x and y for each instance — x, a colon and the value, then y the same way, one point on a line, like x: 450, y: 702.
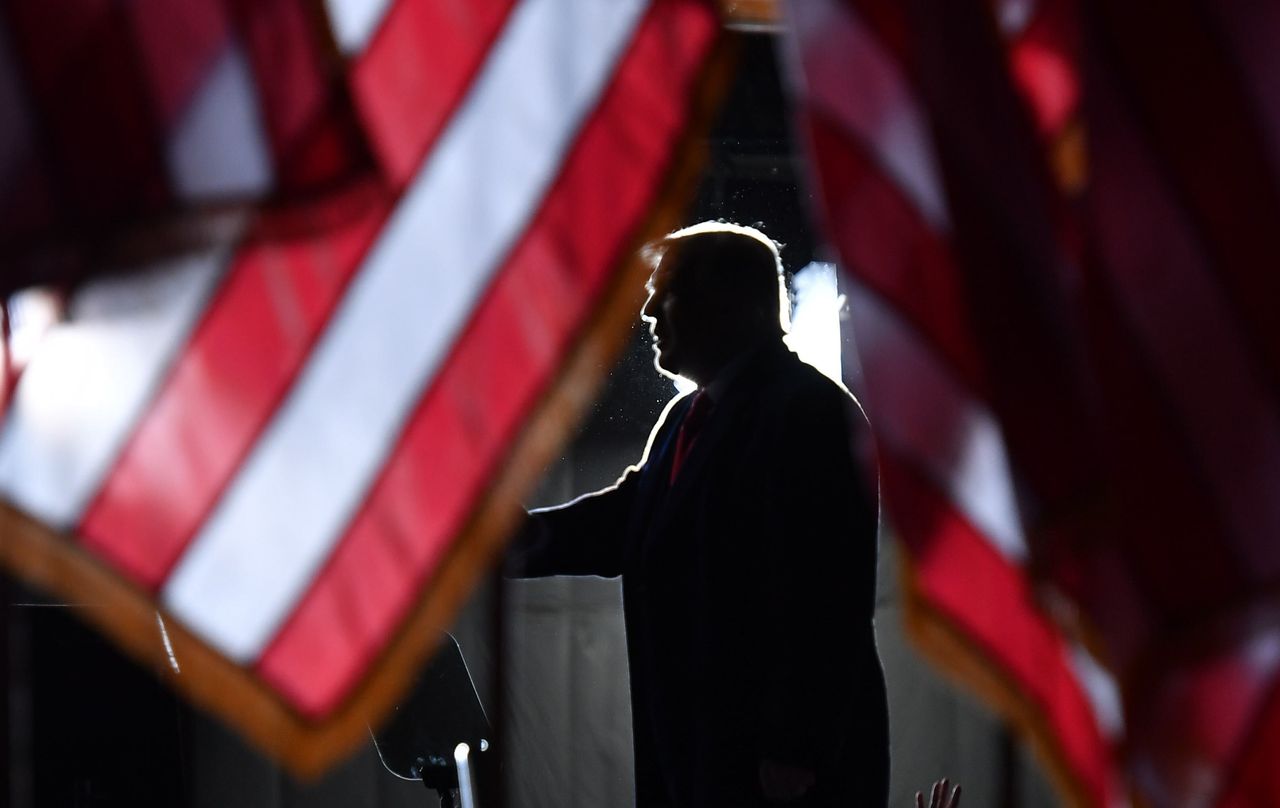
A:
x: 334, y: 279
x: 134, y: 117
x: 1057, y: 221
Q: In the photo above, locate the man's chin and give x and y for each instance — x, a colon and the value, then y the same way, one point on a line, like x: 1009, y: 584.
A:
x: 664, y: 365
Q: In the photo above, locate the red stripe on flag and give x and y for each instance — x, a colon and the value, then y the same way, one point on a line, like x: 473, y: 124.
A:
x: 1255, y: 779
x: 951, y: 562
x: 1188, y: 728
x: 239, y: 362
x: 885, y: 242
x: 418, y: 67
x: 246, y: 352
x: 1042, y: 64
x: 178, y: 44
x: 308, y: 122
x: 496, y: 371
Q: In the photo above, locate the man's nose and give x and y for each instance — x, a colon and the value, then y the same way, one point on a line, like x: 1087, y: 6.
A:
x: 650, y: 309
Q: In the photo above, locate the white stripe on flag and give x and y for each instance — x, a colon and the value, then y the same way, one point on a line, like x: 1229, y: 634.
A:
x: 219, y: 148
x: 920, y: 408
x: 90, y: 379
x: 1100, y: 688
x: 848, y: 74
x: 283, y: 514
x: 354, y: 21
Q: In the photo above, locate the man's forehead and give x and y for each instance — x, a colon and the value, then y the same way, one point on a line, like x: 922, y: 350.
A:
x: 661, y: 275
x: 668, y: 268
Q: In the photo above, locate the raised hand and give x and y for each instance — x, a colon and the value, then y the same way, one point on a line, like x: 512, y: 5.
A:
x: 939, y: 798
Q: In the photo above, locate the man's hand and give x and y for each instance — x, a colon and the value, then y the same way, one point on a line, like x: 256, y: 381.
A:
x: 939, y: 798
x: 782, y: 782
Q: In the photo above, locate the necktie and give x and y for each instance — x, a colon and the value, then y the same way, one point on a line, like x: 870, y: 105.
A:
x: 692, y: 424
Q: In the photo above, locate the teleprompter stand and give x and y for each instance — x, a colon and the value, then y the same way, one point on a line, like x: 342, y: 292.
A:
x: 439, y: 733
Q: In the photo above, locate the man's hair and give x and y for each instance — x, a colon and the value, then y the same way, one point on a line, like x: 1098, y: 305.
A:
x: 735, y: 267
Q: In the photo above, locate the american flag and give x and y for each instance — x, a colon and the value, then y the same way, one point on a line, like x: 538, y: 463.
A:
x: 1056, y: 219
x: 302, y: 441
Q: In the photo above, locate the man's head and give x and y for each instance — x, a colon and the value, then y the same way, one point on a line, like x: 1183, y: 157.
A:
x: 716, y: 290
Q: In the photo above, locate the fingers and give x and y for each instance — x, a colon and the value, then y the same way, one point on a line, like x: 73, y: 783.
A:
x: 954, y: 802
x: 919, y: 800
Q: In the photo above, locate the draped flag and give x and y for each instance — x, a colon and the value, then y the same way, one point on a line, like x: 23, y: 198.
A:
x: 271, y: 460
x: 1057, y: 220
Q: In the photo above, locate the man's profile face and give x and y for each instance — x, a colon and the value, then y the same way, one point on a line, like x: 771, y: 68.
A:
x: 674, y: 327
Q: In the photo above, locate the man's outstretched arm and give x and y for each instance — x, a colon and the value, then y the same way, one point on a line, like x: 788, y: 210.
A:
x: 582, y: 537
x: 585, y: 536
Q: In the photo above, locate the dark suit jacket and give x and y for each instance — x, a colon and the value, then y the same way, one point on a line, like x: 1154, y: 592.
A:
x: 748, y: 589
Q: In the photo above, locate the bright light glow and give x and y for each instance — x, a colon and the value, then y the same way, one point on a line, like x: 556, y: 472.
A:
x: 32, y: 312
x: 815, y: 323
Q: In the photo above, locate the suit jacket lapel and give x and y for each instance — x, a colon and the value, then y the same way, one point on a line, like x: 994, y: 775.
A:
x: 703, y: 448
x: 656, y: 472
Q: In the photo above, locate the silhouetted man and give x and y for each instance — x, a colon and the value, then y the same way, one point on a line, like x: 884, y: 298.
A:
x: 746, y: 542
